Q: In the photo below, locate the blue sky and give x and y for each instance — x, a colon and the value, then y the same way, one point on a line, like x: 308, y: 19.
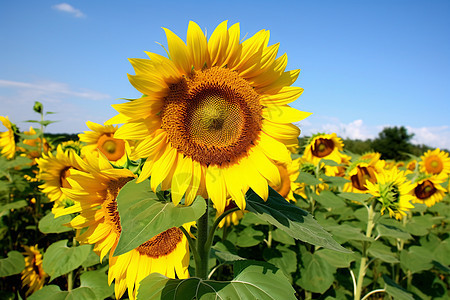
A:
x: 365, y: 64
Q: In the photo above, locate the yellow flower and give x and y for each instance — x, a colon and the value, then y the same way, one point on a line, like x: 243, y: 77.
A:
x: 411, y: 166
x: 428, y: 190
x: 8, y: 138
x: 101, y: 138
x: 231, y: 218
x: 363, y: 170
x: 435, y: 162
x: 54, y: 170
x: 393, y: 190
x: 94, y: 193
x: 33, y: 275
x: 214, y: 116
x: 323, y: 146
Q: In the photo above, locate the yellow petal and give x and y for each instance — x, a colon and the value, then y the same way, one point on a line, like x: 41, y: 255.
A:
x: 254, y: 179
x: 235, y: 185
x: 192, y: 190
x: 284, y: 114
x: 216, y: 188
x: 217, y: 44
x: 162, y: 166
x: 149, y: 85
x: 285, y: 133
x: 264, y: 166
x: 138, y: 130
x: 151, y: 144
x: 197, y: 45
x: 179, y: 53
x: 140, y: 108
x: 286, y: 79
x: 286, y: 95
x: 181, y: 178
x: 274, y: 149
x: 234, y: 47
x: 118, y: 119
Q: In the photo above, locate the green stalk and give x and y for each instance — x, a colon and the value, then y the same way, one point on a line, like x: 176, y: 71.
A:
x: 363, y: 264
x: 201, y: 266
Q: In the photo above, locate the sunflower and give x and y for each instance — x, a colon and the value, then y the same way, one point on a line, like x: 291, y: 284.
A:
x: 8, y: 138
x: 101, y: 138
x: 363, y: 170
x: 428, y: 190
x: 33, y: 275
x: 435, y: 162
x: 214, y: 115
x: 94, y: 193
x: 324, y: 146
x: 412, y: 165
x: 54, y: 170
x: 393, y: 190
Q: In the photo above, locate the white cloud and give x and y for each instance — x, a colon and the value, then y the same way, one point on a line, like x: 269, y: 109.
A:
x: 436, y: 137
x: 69, y: 9
x: 51, y: 90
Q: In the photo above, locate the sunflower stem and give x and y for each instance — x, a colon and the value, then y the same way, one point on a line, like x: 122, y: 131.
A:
x: 363, y: 266
x: 201, y: 265
x: 192, y: 244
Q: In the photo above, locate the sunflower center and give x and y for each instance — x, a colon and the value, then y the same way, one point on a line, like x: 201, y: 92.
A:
x: 161, y: 244
x: 362, y: 175
x: 434, y: 165
x: 322, y: 147
x: 424, y: 190
x: 213, y: 116
x: 112, y: 148
x: 110, y: 203
x: 285, y: 183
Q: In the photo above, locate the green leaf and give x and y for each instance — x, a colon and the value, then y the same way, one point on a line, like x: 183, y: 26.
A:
x: 336, y: 259
x: 420, y: 225
x: 60, y: 259
x: 252, y: 219
x: 13, y: 264
x: 355, y: 196
x: 308, y: 179
x: 334, y: 180
x: 316, y: 275
x: 97, y: 281
x: 13, y: 205
x: 49, y: 224
x: 53, y: 292
x: 293, y: 220
x: 383, y: 252
x: 416, y: 259
x: 262, y: 281
x: 249, y: 237
x: 396, y: 291
x: 282, y: 237
x: 329, y: 200
x: 344, y: 233
x: 283, y: 258
x: 225, y: 251
x: 329, y: 162
x: 391, y: 231
x: 143, y: 215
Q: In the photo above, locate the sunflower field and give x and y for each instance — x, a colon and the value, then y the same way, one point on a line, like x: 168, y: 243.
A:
x: 200, y: 189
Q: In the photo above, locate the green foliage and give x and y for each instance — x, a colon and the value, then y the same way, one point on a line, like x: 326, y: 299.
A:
x: 60, y: 259
x: 13, y: 264
x: 247, y: 284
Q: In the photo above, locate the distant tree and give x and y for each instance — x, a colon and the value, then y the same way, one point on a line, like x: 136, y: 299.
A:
x: 358, y: 146
x: 393, y: 142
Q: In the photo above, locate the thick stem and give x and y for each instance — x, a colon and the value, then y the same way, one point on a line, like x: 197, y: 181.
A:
x: 201, y: 266
x: 363, y: 266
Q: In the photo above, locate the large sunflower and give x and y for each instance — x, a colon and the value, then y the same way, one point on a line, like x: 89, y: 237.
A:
x: 428, y: 190
x: 393, y: 190
x: 33, y: 275
x: 435, y: 162
x: 214, y: 115
x: 8, y: 138
x: 95, y: 193
x: 101, y: 138
x: 54, y: 170
x: 363, y: 170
